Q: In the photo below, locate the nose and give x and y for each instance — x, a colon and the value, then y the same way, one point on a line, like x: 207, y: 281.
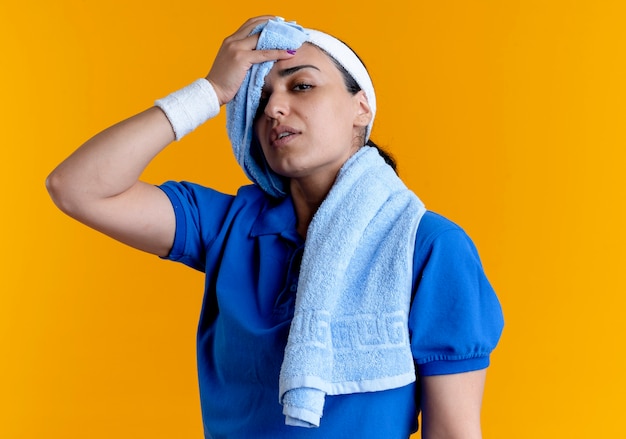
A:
x: 277, y: 105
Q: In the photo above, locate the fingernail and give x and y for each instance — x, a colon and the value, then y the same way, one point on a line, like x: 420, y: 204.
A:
x: 291, y: 52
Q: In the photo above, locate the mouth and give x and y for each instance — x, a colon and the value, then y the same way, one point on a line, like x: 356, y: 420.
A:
x: 282, y: 134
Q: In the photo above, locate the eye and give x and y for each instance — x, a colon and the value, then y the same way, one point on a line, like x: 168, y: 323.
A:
x: 302, y: 86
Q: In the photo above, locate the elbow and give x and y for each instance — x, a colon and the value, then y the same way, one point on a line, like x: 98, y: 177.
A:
x: 61, y: 192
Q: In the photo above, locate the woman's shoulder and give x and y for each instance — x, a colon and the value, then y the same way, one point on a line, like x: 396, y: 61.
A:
x: 208, y: 209
x: 195, y: 193
x: 433, y: 224
x: 440, y: 235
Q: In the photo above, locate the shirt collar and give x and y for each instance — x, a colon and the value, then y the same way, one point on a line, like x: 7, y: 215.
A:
x: 277, y: 217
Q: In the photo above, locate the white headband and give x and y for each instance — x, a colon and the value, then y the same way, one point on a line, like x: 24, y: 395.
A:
x: 349, y: 61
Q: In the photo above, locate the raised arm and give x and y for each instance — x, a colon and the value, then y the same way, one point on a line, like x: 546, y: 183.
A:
x: 99, y: 183
x: 451, y: 405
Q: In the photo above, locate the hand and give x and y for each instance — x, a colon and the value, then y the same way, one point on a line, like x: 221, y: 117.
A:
x: 235, y: 57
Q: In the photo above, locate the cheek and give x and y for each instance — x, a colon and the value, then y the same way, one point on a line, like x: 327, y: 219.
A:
x: 337, y: 120
x: 260, y: 130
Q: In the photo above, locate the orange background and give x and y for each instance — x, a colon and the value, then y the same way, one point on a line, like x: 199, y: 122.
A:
x: 506, y: 116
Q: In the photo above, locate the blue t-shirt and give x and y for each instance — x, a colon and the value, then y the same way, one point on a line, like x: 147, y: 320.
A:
x: 248, y: 247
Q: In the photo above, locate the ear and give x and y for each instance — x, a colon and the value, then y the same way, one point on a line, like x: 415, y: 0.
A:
x: 363, y: 112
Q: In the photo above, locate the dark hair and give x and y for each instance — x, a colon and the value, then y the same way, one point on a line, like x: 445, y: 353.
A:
x: 353, y: 88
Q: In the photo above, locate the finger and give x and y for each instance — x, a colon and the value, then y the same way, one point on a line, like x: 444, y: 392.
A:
x: 259, y: 56
x: 242, y: 38
x: 250, y: 24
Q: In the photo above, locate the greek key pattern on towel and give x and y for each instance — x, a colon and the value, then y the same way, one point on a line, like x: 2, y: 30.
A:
x: 363, y: 331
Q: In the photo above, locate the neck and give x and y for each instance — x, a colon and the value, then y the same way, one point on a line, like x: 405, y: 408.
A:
x: 309, y: 192
x: 307, y: 197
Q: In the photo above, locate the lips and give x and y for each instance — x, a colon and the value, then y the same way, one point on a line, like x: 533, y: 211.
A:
x: 282, y: 134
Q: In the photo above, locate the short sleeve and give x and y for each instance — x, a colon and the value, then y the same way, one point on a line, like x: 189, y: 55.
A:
x: 455, y: 319
x: 200, y: 214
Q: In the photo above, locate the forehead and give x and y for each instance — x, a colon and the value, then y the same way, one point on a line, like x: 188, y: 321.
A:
x: 309, y: 55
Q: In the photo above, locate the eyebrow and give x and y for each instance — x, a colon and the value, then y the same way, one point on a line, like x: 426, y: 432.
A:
x: 291, y: 70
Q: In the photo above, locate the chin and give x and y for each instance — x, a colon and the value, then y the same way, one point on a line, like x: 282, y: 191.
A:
x: 287, y: 170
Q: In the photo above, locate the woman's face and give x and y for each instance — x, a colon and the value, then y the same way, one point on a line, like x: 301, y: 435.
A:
x: 309, y: 124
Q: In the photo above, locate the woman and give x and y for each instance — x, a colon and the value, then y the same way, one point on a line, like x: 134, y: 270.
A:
x: 300, y: 147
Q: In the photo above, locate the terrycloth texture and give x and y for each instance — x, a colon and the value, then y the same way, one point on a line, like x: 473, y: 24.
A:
x: 240, y: 112
x: 350, y: 328
x: 350, y: 332
x: 190, y: 107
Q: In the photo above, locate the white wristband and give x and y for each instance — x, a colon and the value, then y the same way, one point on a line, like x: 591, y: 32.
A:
x: 190, y: 107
